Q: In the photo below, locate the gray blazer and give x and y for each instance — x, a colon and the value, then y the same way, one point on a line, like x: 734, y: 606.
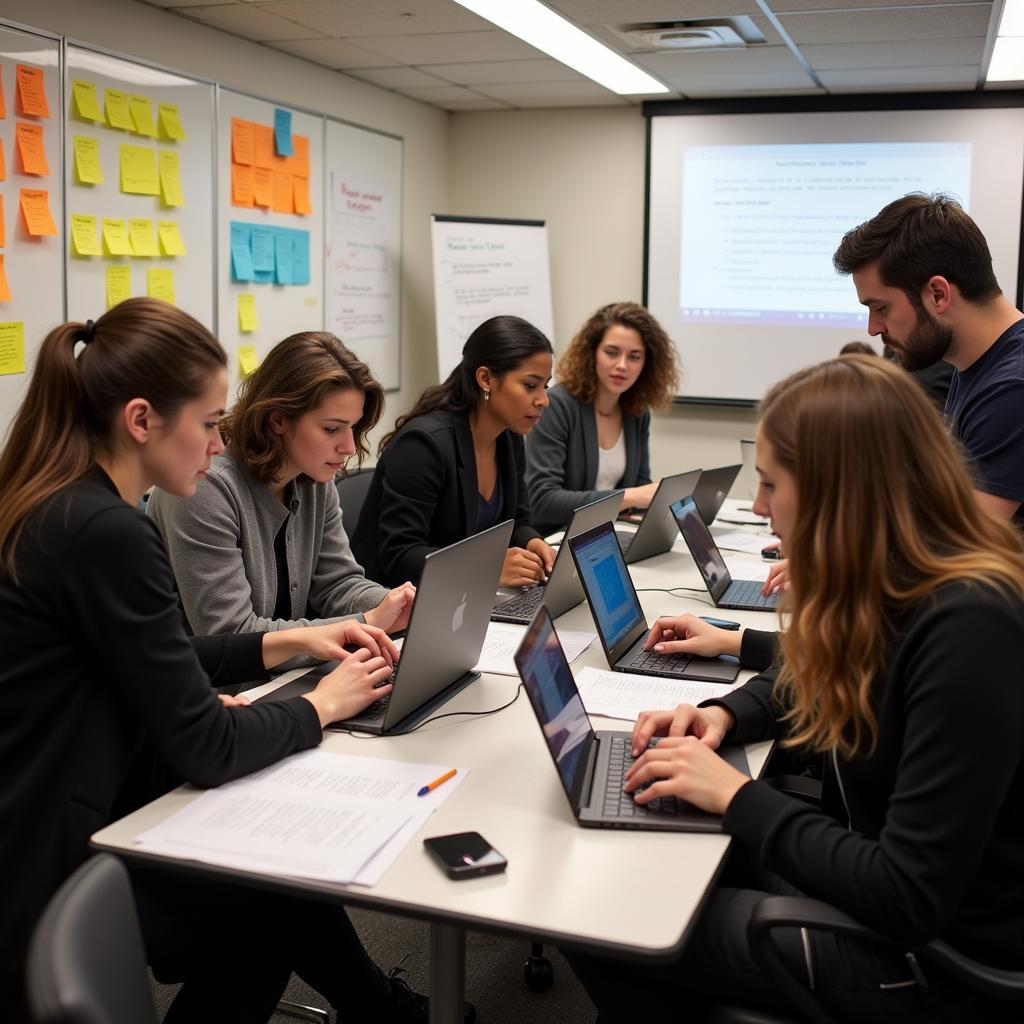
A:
x: 561, y: 459
x: 221, y: 546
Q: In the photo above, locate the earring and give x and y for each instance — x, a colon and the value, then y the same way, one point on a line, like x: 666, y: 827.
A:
x: 487, y: 395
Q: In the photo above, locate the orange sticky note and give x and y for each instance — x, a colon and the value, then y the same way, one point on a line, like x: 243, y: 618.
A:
x: 243, y: 141
x: 31, y: 148
x: 300, y: 195
x: 31, y: 91
x: 35, y: 208
x: 264, y: 145
x: 300, y: 143
x: 263, y: 186
x: 5, y: 288
x: 241, y: 185
x: 282, y: 192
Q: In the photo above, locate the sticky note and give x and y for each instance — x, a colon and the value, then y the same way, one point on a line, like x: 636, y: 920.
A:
x: 83, y: 235
x: 118, y: 113
x: 138, y: 171
x: 248, y: 321
x: 119, y: 284
x: 170, y: 238
x: 140, y: 231
x: 300, y: 165
x: 283, y: 256
x: 31, y: 91
x: 5, y: 288
x: 262, y: 248
x: 300, y: 195
x: 141, y: 109
x: 87, y: 160
x: 262, y: 187
x: 12, y: 347
x: 283, y: 132
x: 160, y: 284
x: 31, y: 149
x: 241, y: 185
x: 35, y: 208
x: 241, y: 263
x: 248, y: 361
x: 170, y: 122
x: 300, y: 257
x: 243, y: 141
x: 282, y: 202
x: 85, y: 104
x: 264, y: 146
x: 115, y: 237
x: 170, y: 180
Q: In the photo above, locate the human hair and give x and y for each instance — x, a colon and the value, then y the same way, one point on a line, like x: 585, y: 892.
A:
x: 142, y: 348
x: 916, y: 238
x: 500, y: 344
x: 295, y: 377
x: 858, y: 348
x: 885, y: 516
x: 658, y: 380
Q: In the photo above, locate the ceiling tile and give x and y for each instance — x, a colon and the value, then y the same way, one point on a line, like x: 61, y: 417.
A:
x: 515, y: 92
x: 332, y: 53
x: 480, y: 104
x: 249, y: 21
x: 450, y: 48
x: 722, y: 83
x: 785, y: 6
x: 954, y: 21
x: 398, y: 77
x: 351, y: 18
x: 930, y: 53
x: 744, y: 62
x: 886, y: 78
x: 441, y: 94
x: 616, y: 12
x: 507, y: 71
x: 173, y: 4
x: 754, y: 93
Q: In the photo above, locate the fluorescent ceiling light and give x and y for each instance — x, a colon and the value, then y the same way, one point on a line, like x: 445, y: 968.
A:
x: 1011, y: 22
x: 1007, y: 63
x: 539, y: 26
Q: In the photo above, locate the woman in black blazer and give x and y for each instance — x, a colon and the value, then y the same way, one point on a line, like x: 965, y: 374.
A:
x: 454, y: 465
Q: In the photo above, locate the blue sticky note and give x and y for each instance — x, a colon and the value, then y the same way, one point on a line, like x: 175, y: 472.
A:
x: 283, y: 256
x: 300, y: 257
x: 264, y: 277
x: 283, y: 132
x: 241, y: 233
x: 262, y: 249
x: 241, y: 263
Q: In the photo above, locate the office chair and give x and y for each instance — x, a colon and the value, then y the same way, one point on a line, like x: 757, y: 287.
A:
x: 352, y: 490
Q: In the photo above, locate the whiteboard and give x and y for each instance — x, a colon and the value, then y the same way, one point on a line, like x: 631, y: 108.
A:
x: 34, y: 265
x: 485, y: 268
x: 281, y: 309
x: 363, y: 246
x: 193, y: 271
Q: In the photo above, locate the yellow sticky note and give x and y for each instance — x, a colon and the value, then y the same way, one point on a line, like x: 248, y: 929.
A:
x: 87, y: 160
x: 115, y: 237
x: 31, y: 91
x: 5, y: 288
x: 35, y: 208
x: 84, y: 102
x: 160, y: 284
x: 170, y: 179
x: 138, y: 171
x: 119, y: 114
x: 12, y: 347
x: 170, y: 238
x: 143, y: 240
x: 83, y: 235
x: 248, y: 361
x: 248, y: 322
x: 141, y: 108
x: 170, y: 122
x: 31, y: 148
x: 119, y: 284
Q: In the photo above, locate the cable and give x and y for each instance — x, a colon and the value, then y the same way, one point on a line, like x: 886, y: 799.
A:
x: 689, y: 592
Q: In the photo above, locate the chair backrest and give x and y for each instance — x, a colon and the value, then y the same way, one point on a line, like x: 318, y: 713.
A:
x: 352, y: 491
x: 86, y: 963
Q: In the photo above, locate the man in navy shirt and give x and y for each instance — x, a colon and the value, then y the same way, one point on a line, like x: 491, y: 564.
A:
x: 924, y: 271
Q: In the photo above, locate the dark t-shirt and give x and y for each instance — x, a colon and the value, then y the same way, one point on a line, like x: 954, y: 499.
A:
x: 985, y: 410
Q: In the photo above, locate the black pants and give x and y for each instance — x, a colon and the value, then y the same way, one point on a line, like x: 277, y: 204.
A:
x: 235, y: 948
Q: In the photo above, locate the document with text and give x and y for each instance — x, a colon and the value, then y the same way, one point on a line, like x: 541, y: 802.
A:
x: 624, y: 695
x: 504, y: 637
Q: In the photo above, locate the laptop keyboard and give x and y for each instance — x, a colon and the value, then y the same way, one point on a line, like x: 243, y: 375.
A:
x: 621, y: 805
x: 522, y: 606
x: 650, y: 662
x: 748, y: 592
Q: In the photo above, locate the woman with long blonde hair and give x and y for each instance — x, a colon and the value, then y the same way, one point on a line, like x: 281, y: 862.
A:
x: 899, y: 668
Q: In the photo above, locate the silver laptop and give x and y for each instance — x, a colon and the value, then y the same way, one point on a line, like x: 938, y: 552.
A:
x: 712, y: 489
x: 657, y: 530
x: 620, y: 621
x: 592, y: 765
x: 444, y: 639
x: 563, y: 590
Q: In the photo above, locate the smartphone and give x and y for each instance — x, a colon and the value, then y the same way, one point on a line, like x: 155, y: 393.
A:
x: 772, y: 554
x: 465, y: 855
x: 720, y: 623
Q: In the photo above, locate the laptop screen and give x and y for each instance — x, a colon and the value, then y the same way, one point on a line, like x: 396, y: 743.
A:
x: 606, y: 579
x: 712, y: 489
x: 702, y: 546
x: 556, y: 701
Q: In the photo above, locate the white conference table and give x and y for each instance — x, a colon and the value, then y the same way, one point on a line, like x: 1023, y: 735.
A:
x: 566, y: 885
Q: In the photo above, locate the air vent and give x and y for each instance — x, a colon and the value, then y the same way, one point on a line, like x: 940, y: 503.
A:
x: 695, y: 34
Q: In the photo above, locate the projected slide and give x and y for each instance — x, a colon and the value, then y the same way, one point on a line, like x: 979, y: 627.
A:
x: 760, y: 223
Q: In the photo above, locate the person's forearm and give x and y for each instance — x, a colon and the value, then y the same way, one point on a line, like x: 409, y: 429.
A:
x: 282, y: 645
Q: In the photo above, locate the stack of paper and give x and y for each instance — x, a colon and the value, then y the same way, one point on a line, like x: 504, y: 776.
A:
x: 504, y: 637
x: 623, y: 695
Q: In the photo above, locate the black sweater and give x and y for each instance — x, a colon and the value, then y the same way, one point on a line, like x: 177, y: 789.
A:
x: 95, y: 662
x: 924, y: 837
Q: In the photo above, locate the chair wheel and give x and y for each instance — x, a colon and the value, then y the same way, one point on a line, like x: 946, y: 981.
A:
x: 538, y: 974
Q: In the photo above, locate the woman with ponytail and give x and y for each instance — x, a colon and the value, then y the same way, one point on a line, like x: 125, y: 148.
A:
x: 454, y: 465
x: 97, y: 667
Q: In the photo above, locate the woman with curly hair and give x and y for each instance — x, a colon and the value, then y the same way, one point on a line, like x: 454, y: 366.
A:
x: 593, y: 438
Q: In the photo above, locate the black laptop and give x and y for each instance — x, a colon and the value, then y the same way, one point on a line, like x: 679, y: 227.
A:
x: 712, y: 489
x: 657, y: 529
x: 592, y: 765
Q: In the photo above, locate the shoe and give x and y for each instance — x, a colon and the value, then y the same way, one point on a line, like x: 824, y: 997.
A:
x: 409, y: 1007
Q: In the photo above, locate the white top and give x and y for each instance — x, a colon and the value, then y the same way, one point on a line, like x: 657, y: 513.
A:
x: 611, y: 464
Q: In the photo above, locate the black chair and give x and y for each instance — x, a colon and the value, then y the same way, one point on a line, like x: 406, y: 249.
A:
x: 352, y: 490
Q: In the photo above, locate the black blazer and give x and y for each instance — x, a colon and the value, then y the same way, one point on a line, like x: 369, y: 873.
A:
x: 424, y: 496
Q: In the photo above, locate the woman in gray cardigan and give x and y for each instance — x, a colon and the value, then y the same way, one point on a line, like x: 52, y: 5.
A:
x: 593, y: 438
x: 261, y: 545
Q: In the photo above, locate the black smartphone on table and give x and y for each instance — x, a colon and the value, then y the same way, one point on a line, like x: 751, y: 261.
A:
x: 465, y: 855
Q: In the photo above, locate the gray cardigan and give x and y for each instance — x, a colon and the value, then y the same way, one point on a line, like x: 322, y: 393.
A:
x: 221, y: 546
x: 561, y: 459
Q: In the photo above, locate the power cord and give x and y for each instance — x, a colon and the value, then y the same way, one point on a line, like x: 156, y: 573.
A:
x: 672, y: 592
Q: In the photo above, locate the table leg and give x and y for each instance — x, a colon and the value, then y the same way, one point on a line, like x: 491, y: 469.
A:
x: 447, y: 973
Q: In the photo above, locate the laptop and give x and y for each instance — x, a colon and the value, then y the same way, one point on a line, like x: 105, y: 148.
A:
x: 592, y: 765
x: 446, y: 634
x: 712, y: 489
x: 724, y: 590
x: 620, y: 621
x: 563, y: 590
x: 657, y: 529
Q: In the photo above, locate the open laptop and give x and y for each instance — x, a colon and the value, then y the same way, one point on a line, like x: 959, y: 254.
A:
x: 563, y: 590
x: 657, y: 529
x: 712, y: 489
x: 592, y: 765
x: 446, y: 634
x: 620, y: 621
x: 724, y: 590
